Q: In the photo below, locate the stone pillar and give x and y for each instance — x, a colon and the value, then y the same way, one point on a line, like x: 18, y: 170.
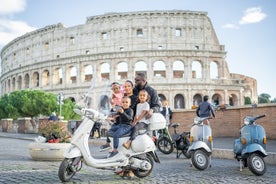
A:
x: 6, y: 125
x: 25, y: 125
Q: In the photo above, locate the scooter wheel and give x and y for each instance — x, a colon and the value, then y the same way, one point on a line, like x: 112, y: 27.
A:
x: 256, y: 164
x: 165, y: 145
x: 200, y: 159
x: 66, y: 172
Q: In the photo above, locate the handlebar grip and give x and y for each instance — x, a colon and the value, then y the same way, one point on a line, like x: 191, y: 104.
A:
x: 260, y: 116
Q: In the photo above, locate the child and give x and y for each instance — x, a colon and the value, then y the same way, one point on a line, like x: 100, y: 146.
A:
x: 125, y: 118
x: 117, y: 94
x: 140, y: 122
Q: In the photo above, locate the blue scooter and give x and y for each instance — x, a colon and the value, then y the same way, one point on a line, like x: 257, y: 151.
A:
x: 250, y: 148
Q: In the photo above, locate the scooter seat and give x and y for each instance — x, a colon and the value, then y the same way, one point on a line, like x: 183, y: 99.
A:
x: 174, y: 125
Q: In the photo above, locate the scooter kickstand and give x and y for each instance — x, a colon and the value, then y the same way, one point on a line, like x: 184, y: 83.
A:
x: 241, y: 165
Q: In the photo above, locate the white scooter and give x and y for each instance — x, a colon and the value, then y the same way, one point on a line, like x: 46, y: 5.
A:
x: 201, y: 143
x: 139, y: 158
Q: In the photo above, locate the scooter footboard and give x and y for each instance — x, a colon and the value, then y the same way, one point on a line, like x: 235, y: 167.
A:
x: 72, y: 152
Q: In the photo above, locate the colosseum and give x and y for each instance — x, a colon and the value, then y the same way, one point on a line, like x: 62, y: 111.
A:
x: 178, y: 50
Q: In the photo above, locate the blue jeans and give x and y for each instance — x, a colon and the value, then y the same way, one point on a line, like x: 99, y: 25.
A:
x: 116, y: 131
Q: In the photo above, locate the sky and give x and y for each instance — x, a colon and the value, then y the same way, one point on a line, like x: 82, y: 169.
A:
x: 247, y: 28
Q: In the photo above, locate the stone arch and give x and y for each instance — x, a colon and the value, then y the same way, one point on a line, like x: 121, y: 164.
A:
x: 88, y: 73
x: 159, y: 69
x: 57, y: 76
x: 105, y: 70
x: 19, y: 82
x: 35, y: 79
x: 26, y: 81
x: 196, y: 70
x: 197, y: 99
x: 140, y: 66
x: 162, y: 97
x: 122, y: 70
x: 104, y: 103
x: 217, y: 99
x: 214, y: 70
x: 72, y: 74
x: 179, y: 102
x: 45, y: 78
x: 13, y: 83
x: 178, y: 69
x: 233, y: 100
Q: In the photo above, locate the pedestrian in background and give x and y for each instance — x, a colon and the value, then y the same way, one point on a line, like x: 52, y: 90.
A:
x: 167, y: 112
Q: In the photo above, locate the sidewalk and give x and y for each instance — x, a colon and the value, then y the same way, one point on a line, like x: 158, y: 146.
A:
x: 223, y: 146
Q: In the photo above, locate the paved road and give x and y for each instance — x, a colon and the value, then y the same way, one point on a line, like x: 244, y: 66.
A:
x: 16, y: 166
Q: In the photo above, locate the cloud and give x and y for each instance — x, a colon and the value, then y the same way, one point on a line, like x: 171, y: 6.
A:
x: 11, y: 29
x: 230, y: 26
x: 252, y: 15
x: 12, y: 6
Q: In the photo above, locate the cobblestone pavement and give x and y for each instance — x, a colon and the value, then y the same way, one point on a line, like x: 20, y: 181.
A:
x: 16, y: 166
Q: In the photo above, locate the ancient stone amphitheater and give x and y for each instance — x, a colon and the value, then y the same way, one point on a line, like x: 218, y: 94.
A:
x: 178, y: 50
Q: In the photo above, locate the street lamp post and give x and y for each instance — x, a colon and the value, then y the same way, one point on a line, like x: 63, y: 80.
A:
x: 60, y: 98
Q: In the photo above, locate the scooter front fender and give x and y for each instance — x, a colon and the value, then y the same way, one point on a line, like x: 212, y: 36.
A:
x: 199, y: 145
x: 254, y: 148
x: 72, y: 152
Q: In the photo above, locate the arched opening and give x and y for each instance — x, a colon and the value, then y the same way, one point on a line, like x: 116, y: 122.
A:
x: 159, y: 69
x: 105, y: 70
x: 122, y: 70
x: 197, y: 99
x: 35, y: 79
x: 213, y: 70
x: 179, y: 102
x: 178, y: 69
x: 88, y: 73
x: 140, y: 66
x: 196, y: 70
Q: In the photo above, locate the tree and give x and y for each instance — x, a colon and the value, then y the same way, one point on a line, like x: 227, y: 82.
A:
x: 264, y: 98
x: 27, y: 103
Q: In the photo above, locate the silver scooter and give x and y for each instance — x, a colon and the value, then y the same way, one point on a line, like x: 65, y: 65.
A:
x: 201, y: 143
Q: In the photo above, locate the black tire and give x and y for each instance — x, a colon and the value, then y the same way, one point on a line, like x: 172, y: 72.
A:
x: 65, y: 172
x: 165, y: 145
x: 143, y: 173
x: 200, y: 159
x: 256, y: 164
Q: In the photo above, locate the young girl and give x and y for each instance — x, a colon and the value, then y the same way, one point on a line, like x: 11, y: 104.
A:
x: 140, y: 122
x: 117, y: 94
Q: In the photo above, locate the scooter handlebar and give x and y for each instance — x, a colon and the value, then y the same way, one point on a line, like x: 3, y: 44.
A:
x: 260, y: 116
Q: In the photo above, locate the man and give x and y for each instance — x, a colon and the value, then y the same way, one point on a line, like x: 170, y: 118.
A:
x: 205, y: 109
x: 141, y: 83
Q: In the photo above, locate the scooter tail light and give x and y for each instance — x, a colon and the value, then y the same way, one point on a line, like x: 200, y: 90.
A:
x: 210, y: 138
x: 191, y: 138
x: 243, y: 140
x: 264, y: 140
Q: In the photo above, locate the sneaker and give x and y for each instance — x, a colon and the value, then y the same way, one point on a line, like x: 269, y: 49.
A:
x: 112, y: 154
x: 105, y: 147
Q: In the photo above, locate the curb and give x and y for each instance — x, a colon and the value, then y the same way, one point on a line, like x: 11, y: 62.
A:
x: 228, y: 154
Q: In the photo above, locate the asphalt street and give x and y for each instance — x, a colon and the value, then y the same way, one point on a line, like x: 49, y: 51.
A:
x: 16, y: 166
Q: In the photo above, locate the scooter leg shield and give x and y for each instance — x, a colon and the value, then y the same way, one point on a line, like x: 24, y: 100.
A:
x: 72, y: 152
x: 199, y: 144
x: 254, y: 148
